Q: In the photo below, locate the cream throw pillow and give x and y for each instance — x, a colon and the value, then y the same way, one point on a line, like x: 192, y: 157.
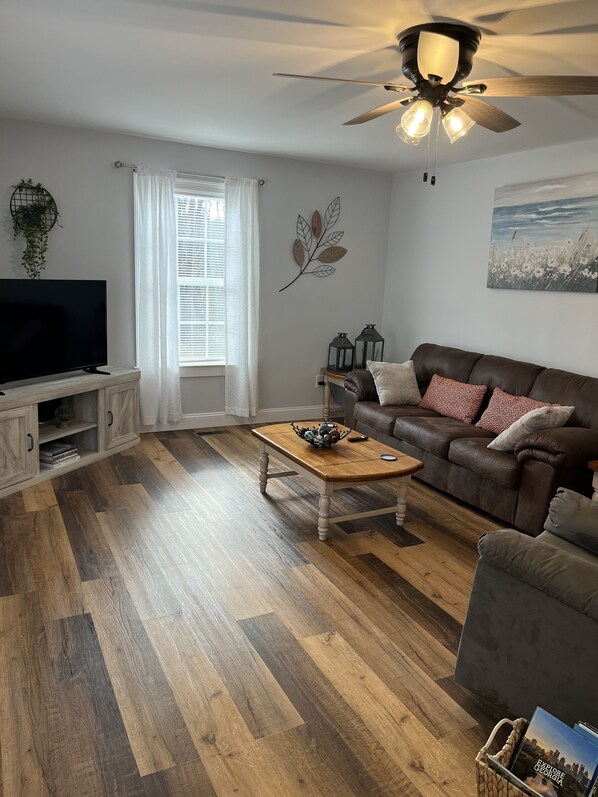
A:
x: 533, y: 421
x: 395, y: 382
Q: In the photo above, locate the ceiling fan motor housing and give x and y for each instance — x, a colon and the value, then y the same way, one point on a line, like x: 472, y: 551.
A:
x: 468, y: 38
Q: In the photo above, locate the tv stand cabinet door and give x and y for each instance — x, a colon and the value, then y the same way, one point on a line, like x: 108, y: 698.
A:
x: 19, y: 457
x: 122, y: 414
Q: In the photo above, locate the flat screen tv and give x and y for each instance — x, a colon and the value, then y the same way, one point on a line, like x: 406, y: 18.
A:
x: 51, y: 326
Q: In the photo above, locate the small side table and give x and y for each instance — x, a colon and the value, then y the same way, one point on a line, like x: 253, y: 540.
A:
x: 331, y: 377
x: 594, y: 466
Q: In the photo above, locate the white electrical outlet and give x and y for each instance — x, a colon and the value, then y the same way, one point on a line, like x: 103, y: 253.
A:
x: 319, y: 380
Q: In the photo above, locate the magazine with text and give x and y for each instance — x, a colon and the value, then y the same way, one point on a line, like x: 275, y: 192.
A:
x: 554, y: 760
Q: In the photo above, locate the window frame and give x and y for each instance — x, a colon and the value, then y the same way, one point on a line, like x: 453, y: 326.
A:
x: 201, y: 188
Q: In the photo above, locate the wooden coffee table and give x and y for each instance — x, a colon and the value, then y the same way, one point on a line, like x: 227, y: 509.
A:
x: 344, y: 465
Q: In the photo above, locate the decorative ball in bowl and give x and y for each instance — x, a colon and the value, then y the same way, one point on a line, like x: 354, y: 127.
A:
x: 323, y: 436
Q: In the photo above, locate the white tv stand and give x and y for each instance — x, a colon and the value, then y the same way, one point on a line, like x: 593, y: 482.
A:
x: 105, y: 421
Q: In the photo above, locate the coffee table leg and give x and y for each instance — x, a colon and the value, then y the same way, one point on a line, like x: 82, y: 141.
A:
x: 264, y: 459
x: 324, y: 512
x: 402, y: 500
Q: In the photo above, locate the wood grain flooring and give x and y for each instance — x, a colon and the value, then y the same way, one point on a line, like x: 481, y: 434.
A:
x: 168, y: 631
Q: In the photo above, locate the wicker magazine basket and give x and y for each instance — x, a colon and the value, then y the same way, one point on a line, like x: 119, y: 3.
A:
x: 491, y: 783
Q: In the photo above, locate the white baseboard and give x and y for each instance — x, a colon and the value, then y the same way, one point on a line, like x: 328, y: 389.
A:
x: 204, y: 420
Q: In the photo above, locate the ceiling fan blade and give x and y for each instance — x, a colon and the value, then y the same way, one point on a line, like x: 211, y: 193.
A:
x: 537, y: 86
x: 376, y: 112
x: 388, y: 86
x: 571, y: 16
x: 488, y: 116
x: 437, y: 55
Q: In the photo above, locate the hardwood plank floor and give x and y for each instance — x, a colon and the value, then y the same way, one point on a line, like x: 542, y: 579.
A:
x: 168, y: 631
x: 156, y: 730
x: 86, y: 702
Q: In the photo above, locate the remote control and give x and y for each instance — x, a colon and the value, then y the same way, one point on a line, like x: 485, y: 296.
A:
x: 357, y: 438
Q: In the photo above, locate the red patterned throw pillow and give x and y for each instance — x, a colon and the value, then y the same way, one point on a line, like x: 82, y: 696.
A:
x: 453, y: 399
x: 504, y: 409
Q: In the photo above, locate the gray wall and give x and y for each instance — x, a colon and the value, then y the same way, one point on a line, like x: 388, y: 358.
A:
x: 437, y: 262
x: 96, y: 241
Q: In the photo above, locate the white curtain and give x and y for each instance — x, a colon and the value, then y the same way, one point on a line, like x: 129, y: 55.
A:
x: 241, y: 254
x: 156, y: 296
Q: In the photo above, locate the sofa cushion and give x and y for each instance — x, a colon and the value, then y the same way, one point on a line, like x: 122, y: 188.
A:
x: 563, y: 387
x: 504, y: 409
x: 436, y: 434
x: 430, y: 359
x: 550, y: 417
x: 564, y: 576
x: 383, y: 418
x: 511, y: 375
x: 453, y: 399
x: 574, y: 518
x: 498, y: 466
x: 564, y: 545
x: 395, y: 382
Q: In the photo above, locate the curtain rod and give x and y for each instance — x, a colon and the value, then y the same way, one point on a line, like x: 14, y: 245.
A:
x: 123, y: 165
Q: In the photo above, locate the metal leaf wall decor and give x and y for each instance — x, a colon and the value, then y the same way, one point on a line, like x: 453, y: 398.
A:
x: 316, y: 244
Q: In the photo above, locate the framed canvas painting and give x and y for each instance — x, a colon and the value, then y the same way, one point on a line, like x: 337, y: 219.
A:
x: 545, y: 236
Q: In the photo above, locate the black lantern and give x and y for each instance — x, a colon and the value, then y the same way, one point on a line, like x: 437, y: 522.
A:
x: 368, y: 346
x: 340, y: 353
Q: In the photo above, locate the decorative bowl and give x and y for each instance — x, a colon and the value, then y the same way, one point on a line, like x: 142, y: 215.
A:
x: 324, y: 435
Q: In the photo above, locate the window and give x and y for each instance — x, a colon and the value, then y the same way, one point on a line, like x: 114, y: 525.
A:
x: 200, y: 268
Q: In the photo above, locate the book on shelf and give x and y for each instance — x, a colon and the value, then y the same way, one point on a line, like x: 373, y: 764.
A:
x: 59, y: 460
x: 63, y: 461
x: 54, y: 449
x: 56, y: 457
x: 555, y: 760
x: 54, y: 454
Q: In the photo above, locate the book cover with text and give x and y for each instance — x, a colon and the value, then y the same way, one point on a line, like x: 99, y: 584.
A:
x: 553, y: 759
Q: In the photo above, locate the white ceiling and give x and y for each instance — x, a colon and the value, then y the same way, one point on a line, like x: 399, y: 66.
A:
x: 201, y: 72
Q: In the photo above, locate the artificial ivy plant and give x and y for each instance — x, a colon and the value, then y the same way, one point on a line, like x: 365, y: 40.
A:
x: 34, y: 214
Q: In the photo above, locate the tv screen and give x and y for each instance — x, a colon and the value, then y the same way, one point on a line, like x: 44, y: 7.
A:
x: 51, y: 326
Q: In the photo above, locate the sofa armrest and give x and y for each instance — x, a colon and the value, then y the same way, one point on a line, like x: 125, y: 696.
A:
x: 361, y: 384
x: 566, y: 447
x: 562, y: 575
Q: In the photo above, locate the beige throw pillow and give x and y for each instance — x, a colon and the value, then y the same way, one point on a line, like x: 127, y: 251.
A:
x: 395, y: 382
x: 533, y: 421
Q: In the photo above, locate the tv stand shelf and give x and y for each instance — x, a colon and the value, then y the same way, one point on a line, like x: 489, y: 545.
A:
x: 49, y: 431
x: 105, y: 421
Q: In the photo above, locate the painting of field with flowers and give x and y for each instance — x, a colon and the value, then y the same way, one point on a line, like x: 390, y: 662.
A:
x: 545, y: 236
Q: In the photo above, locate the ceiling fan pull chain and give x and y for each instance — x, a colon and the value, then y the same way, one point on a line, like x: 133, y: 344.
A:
x: 433, y: 178
x: 427, y: 160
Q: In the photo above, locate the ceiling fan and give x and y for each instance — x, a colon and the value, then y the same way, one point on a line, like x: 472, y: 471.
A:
x: 437, y: 57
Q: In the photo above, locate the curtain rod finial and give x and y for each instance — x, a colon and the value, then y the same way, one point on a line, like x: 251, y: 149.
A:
x: 123, y: 165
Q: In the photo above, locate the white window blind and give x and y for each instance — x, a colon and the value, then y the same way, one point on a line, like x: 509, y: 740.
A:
x: 200, y: 264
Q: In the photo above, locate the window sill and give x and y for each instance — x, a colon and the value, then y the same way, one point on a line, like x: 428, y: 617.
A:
x: 209, y: 369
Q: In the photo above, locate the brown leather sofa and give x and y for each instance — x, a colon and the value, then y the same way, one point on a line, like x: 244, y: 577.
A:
x: 531, y: 633
x: 514, y: 487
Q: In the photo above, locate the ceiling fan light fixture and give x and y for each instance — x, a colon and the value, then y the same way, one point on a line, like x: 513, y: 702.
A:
x: 437, y: 57
x: 413, y: 140
x: 456, y: 124
x: 416, y: 121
